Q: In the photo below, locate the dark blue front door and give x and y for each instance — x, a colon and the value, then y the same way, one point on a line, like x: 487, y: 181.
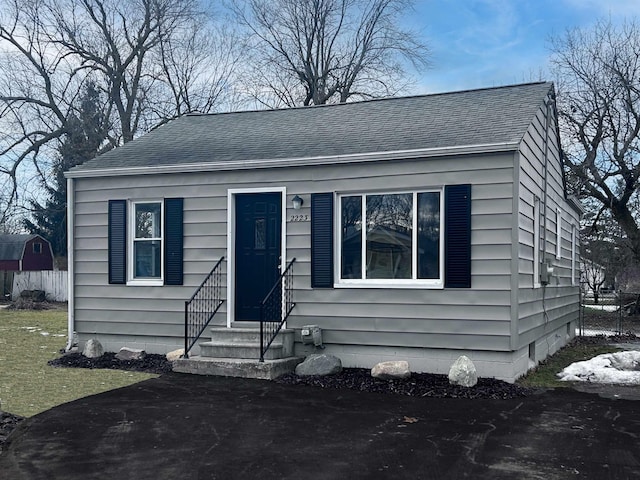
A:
x: 258, y: 246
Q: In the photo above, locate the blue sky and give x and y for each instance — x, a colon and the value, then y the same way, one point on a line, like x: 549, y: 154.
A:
x: 485, y: 43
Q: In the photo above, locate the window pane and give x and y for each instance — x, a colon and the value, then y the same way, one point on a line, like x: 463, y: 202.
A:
x: 260, y: 234
x: 389, y: 235
x: 147, y: 259
x: 351, y: 237
x: 148, y: 220
x: 429, y: 235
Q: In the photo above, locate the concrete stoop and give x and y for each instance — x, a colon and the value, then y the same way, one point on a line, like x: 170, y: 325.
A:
x: 237, y: 367
x: 234, y: 352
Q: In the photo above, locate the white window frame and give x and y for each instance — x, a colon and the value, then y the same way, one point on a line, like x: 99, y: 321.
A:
x: 573, y: 255
x: 131, y: 233
x: 389, y: 282
x: 536, y: 242
x: 558, y: 233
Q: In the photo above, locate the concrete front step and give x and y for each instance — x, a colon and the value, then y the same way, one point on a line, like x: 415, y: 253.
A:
x: 240, y: 349
x: 242, y: 334
x: 236, y: 367
x: 244, y: 343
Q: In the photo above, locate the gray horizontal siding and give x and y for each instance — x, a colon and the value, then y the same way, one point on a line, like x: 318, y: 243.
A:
x: 477, y: 318
x: 540, y: 310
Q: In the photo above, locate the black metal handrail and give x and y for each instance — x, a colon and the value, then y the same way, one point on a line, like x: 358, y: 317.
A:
x: 275, y: 308
x: 202, y: 306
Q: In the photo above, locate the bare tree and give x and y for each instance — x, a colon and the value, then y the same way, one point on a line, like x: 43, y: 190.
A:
x: 593, y: 275
x: 152, y: 60
x: 306, y: 52
x: 598, y: 76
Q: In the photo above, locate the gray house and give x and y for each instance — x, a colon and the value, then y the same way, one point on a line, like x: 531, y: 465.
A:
x: 422, y: 228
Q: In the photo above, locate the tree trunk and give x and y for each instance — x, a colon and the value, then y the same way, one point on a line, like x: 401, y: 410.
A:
x: 623, y: 216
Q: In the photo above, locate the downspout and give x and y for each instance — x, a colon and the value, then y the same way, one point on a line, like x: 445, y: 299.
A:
x: 70, y: 264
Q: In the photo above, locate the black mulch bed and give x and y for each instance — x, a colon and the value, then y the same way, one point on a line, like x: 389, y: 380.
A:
x: 8, y: 422
x: 151, y: 363
x: 418, y: 385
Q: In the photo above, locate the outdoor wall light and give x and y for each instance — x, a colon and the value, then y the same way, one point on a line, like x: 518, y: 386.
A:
x: 297, y: 202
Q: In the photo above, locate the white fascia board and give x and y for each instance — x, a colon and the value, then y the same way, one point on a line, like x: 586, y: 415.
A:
x: 296, y: 162
x: 576, y: 205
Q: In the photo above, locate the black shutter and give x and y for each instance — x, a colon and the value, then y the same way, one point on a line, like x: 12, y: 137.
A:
x: 322, y: 240
x: 457, y: 227
x: 173, y: 241
x: 117, y: 241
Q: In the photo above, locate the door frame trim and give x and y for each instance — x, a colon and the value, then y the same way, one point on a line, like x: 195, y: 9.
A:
x: 231, y: 240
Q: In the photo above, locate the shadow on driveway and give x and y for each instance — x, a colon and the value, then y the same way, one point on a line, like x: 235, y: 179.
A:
x: 182, y: 426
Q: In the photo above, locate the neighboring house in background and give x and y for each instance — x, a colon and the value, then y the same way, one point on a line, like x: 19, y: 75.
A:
x: 22, y: 253
x: 426, y: 229
x: 25, y: 252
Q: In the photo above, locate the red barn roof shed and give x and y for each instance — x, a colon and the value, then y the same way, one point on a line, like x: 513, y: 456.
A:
x: 25, y: 252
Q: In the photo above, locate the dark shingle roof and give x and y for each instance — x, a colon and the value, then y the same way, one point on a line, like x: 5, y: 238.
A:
x: 12, y: 246
x: 467, y: 118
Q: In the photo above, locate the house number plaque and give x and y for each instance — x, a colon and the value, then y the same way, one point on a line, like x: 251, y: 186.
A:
x: 300, y: 218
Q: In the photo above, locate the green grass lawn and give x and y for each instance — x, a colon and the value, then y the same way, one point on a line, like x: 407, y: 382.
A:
x: 28, y: 339
x: 545, y: 374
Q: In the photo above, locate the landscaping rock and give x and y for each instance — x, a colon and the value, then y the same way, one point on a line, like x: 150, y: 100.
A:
x: 463, y: 372
x: 175, y: 354
x: 127, y: 354
x: 93, y: 349
x: 391, y: 370
x: 319, y: 364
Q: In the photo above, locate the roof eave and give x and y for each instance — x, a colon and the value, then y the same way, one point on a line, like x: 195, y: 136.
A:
x: 295, y: 161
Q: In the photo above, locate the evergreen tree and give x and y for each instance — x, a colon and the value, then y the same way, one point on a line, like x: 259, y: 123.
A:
x: 85, y: 132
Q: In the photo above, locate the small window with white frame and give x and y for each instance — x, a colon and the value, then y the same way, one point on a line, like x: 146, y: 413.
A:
x: 573, y: 255
x: 146, y: 241
x: 558, y: 233
x: 391, y: 238
x: 536, y: 242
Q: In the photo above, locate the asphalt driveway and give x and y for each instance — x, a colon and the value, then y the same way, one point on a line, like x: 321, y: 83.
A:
x: 193, y: 427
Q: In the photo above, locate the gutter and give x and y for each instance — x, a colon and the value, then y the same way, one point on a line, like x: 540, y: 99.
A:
x: 70, y: 265
x: 295, y: 162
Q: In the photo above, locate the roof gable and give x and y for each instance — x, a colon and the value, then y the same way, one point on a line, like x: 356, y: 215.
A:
x: 12, y: 245
x: 487, y: 117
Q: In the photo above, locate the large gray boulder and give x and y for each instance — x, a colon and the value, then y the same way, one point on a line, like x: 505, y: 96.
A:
x: 391, y: 370
x: 319, y: 364
x: 463, y: 372
x: 128, y: 354
x: 93, y: 349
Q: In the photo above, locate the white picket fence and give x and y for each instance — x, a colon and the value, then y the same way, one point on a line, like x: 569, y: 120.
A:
x: 54, y: 284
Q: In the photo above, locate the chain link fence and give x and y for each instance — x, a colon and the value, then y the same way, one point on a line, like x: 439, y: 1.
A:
x: 609, y: 313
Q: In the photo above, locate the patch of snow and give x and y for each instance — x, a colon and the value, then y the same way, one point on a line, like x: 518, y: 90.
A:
x: 618, y: 367
x: 44, y: 334
x: 594, y: 333
x: 606, y: 308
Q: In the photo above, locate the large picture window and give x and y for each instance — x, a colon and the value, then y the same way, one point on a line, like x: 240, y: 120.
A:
x: 147, y: 240
x: 391, y: 238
